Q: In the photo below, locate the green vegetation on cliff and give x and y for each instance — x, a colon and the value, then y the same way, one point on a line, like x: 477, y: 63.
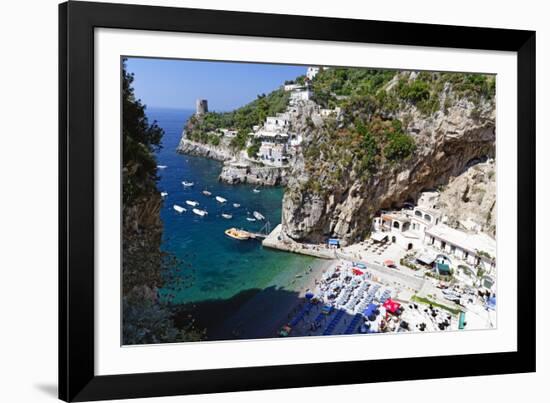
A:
x: 201, y: 128
x: 145, y: 268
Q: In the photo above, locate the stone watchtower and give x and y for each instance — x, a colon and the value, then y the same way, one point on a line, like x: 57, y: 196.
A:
x: 202, y: 107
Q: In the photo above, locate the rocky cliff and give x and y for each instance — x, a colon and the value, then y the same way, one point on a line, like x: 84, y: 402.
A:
x: 254, y: 174
x: 469, y: 199
x: 349, y: 172
x: 221, y: 152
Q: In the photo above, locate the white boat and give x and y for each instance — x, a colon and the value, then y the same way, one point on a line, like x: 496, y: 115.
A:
x: 250, y: 219
x: 192, y: 203
x: 162, y: 166
x: 258, y: 216
x: 221, y: 199
x: 187, y: 184
x: 227, y: 216
x: 206, y: 193
x: 163, y: 194
x: 256, y: 190
x: 200, y: 212
x: 236, y: 205
x: 179, y: 209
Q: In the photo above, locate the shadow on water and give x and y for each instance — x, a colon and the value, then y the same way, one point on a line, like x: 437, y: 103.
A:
x: 256, y: 314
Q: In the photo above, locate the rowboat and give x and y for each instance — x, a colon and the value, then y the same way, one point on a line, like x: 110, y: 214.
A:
x: 237, y: 234
x: 221, y: 199
x: 179, y: 209
x: 200, y: 212
x: 258, y: 216
x: 192, y: 203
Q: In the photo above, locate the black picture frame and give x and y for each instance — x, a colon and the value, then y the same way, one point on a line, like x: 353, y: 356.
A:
x: 77, y: 21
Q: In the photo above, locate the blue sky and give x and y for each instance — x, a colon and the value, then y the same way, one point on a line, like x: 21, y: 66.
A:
x: 226, y: 85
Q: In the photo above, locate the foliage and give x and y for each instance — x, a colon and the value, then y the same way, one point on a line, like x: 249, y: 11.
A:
x: 241, y: 119
x: 427, y: 301
x: 140, y: 140
x: 254, y: 148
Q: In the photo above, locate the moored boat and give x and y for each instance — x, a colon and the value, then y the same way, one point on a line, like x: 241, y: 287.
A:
x: 206, y: 193
x: 237, y: 234
x: 221, y: 199
x: 179, y: 209
x: 236, y: 205
x: 187, y: 184
x: 227, y: 216
x: 258, y: 216
x: 162, y: 166
x: 200, y: 212
x: 256, y: 190
x: 163, y: 194
x: 250, y: 219
x: 192, y: 203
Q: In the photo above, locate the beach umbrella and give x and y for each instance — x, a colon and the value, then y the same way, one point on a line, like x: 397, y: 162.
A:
x: 309, y: 295
x: 389, y: 262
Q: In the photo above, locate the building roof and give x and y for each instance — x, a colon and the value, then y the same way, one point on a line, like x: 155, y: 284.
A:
x: 467, y: 241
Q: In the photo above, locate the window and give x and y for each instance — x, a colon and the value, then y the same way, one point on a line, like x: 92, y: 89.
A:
x: 427, y: 217
x: 418, y: 213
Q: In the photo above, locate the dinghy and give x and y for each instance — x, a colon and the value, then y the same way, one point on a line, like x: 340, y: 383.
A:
x: 179, y: 209
x: 227, y: 216
x: 192, y: 203
x: 200, y: 212
x: 206, y: 193
x: 221, y: 199
x: 256, y: 190
x: 236, y: 205
x: 250, y: 219
x: 258, y: 216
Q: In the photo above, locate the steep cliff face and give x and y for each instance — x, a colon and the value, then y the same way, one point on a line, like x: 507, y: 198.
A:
x: 469, y: 200
x: 254, y: 174
x: 331, y: 193
x: 221, y: 152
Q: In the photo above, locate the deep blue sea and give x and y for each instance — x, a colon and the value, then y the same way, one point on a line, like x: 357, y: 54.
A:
x: 221, y: 267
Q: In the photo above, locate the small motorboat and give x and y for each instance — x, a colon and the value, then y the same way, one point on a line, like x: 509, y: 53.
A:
x: 250, y: 219
x: 221, y: 199
x: 187, y: 184
x: 163, y: 194
x: 237, y: 234
x: 200, y: 212
x: 179, y: 209
x: 162, y: 166
x: 192, y: 203
x: 256, y: 190
x: 236, y: 205
x: 206, y: 193
x: 227, y: 216
x: 258, y: 216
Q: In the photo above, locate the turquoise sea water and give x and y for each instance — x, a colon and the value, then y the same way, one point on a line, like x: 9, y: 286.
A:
x: 221, y: 267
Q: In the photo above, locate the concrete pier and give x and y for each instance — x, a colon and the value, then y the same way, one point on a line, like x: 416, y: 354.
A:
x: 275, y: 241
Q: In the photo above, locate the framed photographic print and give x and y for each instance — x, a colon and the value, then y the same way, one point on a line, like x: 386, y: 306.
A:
x: 255, y: 201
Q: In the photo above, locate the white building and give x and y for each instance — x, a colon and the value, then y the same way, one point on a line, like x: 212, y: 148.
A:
x: 272, y: 153
x: 300, y: 95
x: 292, y: 87
x: 312, y: 72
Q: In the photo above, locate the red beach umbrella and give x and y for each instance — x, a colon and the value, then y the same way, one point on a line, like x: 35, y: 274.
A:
x: 357, y: 272
x: 391, y: 305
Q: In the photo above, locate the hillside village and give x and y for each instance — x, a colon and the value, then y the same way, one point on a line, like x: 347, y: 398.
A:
x: 423, y: 235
